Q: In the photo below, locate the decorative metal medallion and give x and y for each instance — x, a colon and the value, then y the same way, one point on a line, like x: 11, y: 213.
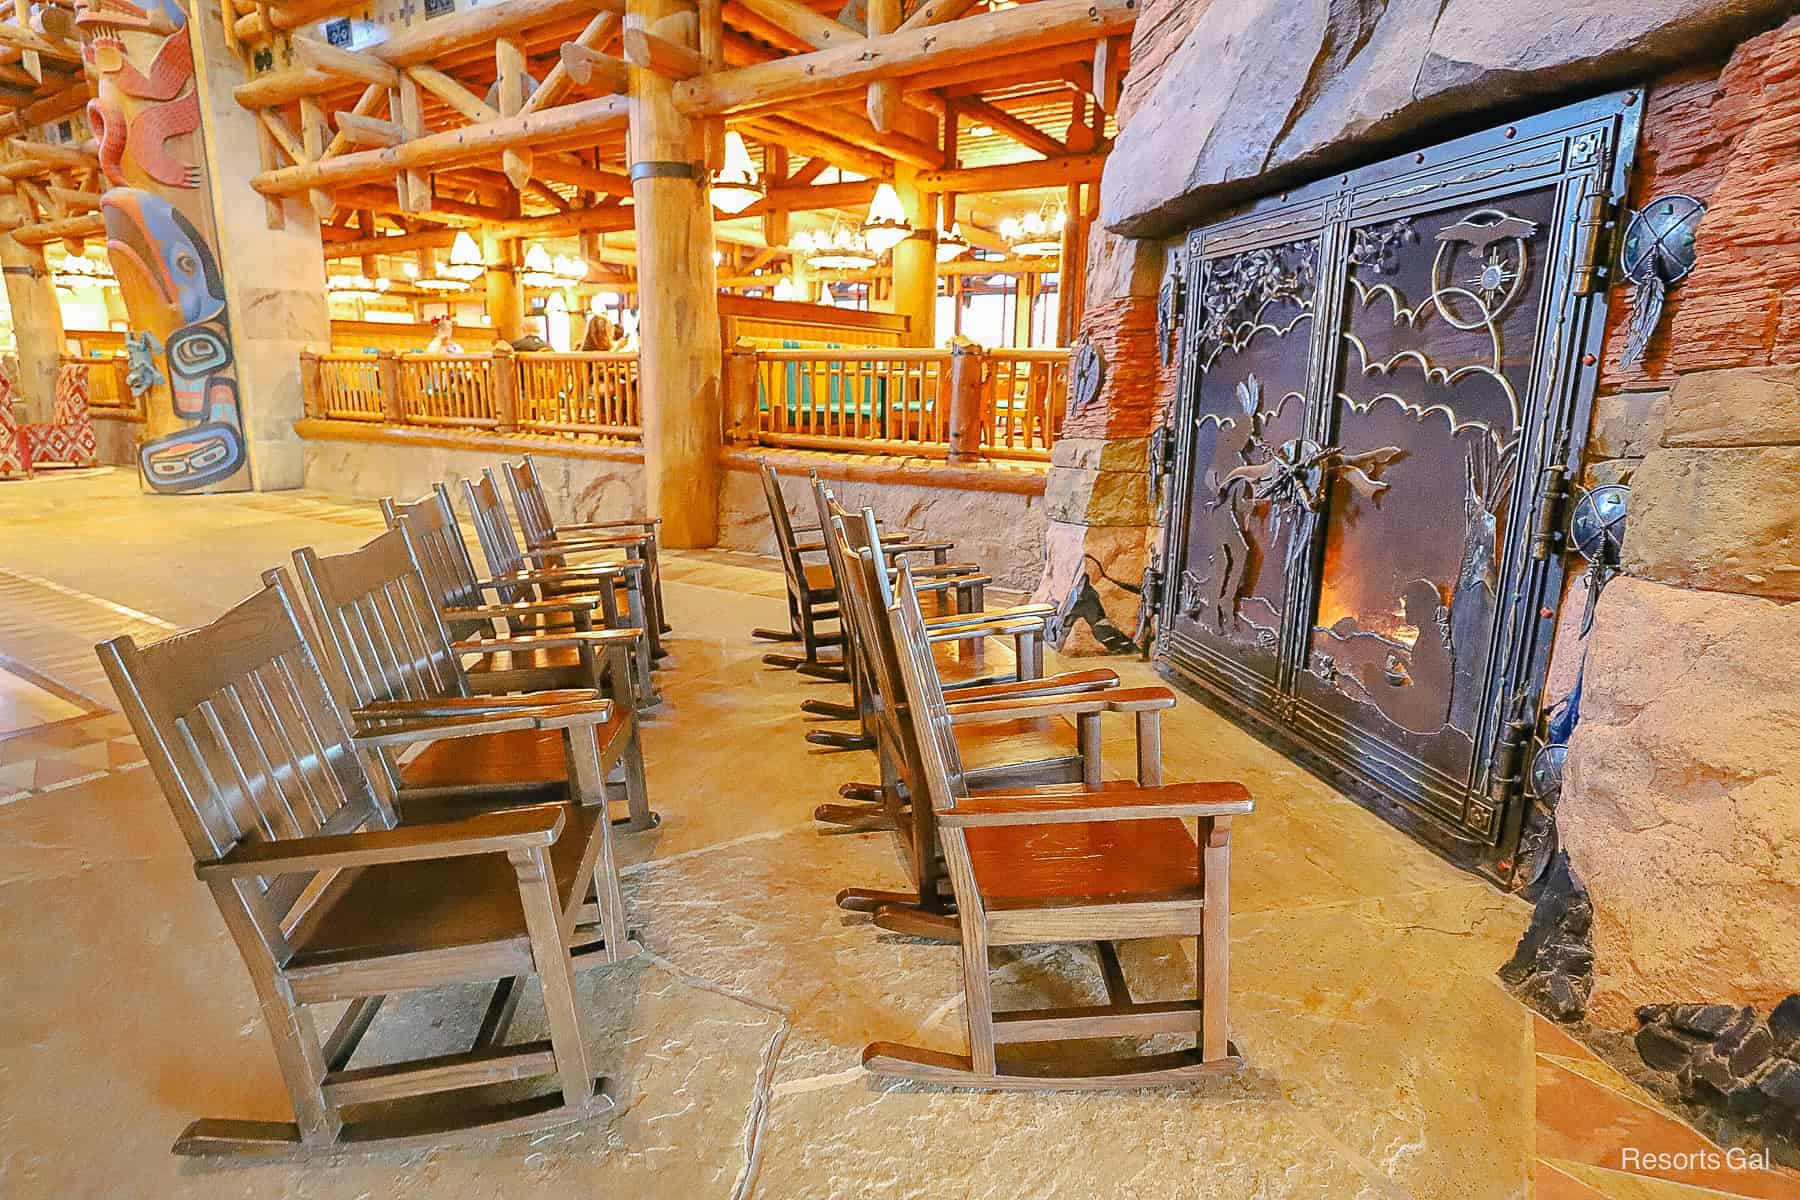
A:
x: 1086, y: 374
x: 1597, y: 533
x: 1657, y: 254
x: 1168, y: 310
x: 1497, y: 241
x: 1547, y: 772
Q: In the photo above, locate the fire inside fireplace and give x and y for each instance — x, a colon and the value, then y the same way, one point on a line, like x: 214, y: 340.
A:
x: 1386, y: 380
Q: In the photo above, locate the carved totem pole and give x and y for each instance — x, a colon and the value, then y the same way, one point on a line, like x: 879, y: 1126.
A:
x: 161, y: 239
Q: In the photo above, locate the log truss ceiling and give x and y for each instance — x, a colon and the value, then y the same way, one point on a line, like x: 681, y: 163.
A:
x: 511, y: 117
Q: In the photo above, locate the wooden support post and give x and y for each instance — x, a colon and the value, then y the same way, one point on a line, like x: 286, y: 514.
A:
x: 742, y: 419
x: 712, y: 53
x: 915, y: 261
x: 503, y: 368
x: 412, y: 185
x: 312, y: 394
x: 314, y: 134
x: 510, y: 76
x: 884, y: 95
x: 679, y: 360
x: 36, y: 316
x: 387, y: 369
x: 968, y: 380
x: 505, y: 300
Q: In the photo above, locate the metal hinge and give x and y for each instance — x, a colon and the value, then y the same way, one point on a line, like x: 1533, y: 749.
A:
x: 1547, y: 535
x: 1506, y: 767
x: 1149, y: 600
x: 1595, y: 232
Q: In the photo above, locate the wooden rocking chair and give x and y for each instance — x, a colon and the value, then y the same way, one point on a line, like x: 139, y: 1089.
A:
x: 387, y: 640
x: 1002, y: 753
x: 521, y: 575
x: 542, y: 532
x: 812, y: 593
x: 330, y: 897
x: 962, y: 662
x: 462, y: 601
x: 1060, y: 864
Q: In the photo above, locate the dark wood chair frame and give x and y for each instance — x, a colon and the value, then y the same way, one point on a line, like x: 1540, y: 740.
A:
x: 638, y: 538
x: 528, y: 575
x: 928, y: 909
x: 388, y: 644
x: 1096, y: 899
x: 463, y: 602
x: 270, y: 779
x: 813, y: 602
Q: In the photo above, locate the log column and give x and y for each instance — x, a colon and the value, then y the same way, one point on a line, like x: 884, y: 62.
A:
x: 678, y: 314
x: 36, y: 318
x: 505, y: 299
x: 915, y: 259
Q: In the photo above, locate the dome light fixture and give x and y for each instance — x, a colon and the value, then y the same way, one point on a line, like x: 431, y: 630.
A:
x: 465, y: 259
x: 885, y: 227
x: 736, y: 185
x: 356, y: 287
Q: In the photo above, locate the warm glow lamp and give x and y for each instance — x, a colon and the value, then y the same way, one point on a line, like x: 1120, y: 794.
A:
x: 736, y: 185
x: 886, y: 225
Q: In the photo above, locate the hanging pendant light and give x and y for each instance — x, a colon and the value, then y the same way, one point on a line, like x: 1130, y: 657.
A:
x: 787, y: 289
x: 951, y: 244
x: 428, y: 276
x: 538, y: 271
x: 886, y: 225
x: 465, y: 259
x: 736, y: 185
x: 356, y: 287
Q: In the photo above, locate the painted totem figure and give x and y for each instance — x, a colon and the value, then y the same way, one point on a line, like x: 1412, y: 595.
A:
x: 159, y: 238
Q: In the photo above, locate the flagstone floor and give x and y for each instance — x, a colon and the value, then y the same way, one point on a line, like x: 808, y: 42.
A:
x: 1385, y: 1061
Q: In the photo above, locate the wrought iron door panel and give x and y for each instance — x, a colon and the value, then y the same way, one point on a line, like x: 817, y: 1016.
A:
x: 1435, y: 366
x: 1253, y: 398
x: 1384, y: 377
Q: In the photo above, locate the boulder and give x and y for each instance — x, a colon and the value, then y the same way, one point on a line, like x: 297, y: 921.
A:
x: 1680, y: 805
x: 1627, y: 424
x: 1264, y: 93
x: 1720, y: 519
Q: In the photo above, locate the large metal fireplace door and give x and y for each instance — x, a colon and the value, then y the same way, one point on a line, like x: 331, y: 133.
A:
x: 1386, y: 386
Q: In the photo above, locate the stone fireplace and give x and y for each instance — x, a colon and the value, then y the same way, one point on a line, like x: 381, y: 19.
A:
x: 1679, y: 807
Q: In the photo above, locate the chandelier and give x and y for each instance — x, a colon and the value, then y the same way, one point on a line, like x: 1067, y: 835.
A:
x: 1036, y: 234
x: 840, y: 249
x: 356, y: 287
x: 543, y: 271
x: 427, y: 276
x: 886, y: 225
x: 736, y: 185
x: 951, y: 243
x: 80, y: 271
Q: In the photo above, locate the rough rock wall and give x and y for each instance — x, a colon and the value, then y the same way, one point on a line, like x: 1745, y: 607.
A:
x: 1681, y: 803
x: 1261, y: 93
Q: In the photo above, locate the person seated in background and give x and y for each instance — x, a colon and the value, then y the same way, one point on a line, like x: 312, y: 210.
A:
x: 531, y: 343
x: 599, y: 334
x: 443, y: 337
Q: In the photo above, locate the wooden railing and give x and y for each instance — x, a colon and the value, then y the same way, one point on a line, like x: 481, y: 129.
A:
x: 580, y: 393
x: 107, y: 390
x: 959, y: 403
x: 571, y: 395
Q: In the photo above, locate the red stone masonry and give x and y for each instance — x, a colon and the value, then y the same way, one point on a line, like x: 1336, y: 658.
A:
x: 1136, y: 384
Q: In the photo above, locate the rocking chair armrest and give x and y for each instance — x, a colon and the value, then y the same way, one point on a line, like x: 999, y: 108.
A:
x: 649, y: 525
x: 544, y: 554
x: 562, y: 639
x: 971, y: 633
x: 511, y: 704
x: 1069, y: 683
x: 593, y: 543
x: 486, y: 833
x: 1060, y: 804
x: 809, y: 548
x: 1018, y: 612
x: 898, y: 544
x: 523, y: 608
x: 950, y: 583
x: 1119, y: 700
x: 586, y: 572
x: 966, y: 572
x: 406, y: 731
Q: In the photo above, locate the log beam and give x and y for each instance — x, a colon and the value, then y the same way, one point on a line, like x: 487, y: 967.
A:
x: 1014, y: 177
x: 669, y: 59
x: 1018, y: 129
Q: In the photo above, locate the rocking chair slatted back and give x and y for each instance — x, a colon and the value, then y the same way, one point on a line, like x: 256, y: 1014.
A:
x: 922, y: 695
x: 240, y: 725
x: 380, y: 622
x: 785, y: 541
x: 535, y: 520
x: 494, y: 529
x: 443, y: 555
